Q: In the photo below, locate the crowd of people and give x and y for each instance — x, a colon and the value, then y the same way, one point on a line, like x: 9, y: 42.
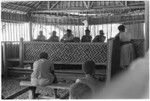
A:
x: 90, y: 87
x: 69, y: 37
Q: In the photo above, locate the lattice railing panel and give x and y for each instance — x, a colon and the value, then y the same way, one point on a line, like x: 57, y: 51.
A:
x: 139, y: 47
x: 12, y: 50
x: 67, y: 53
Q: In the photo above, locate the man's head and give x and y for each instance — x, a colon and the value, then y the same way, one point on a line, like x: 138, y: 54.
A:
x: 54, y: 33
x: 41, y: 32
x: 80, y: 91
x: 69, y: 32
x: 121, y: 28
x: 89, y: 67
x: 43, y: 55
x: 101, y: 32
x: 87, y: 32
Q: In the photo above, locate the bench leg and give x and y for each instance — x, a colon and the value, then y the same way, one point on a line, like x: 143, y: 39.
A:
x: 55, y: 92
x: 32, y: 92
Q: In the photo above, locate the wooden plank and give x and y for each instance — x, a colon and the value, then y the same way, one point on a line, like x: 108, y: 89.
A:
x: 4, y: 60
x: 98, y: 72
x: 14, y: 59
x: 14, y: 95
x: 54, y: 86
x: 74, y: 63
x: 32, y: 92
x: 21, y: 52
x: 30, y: 30
x: 109, y: 57
x: 146, y: 26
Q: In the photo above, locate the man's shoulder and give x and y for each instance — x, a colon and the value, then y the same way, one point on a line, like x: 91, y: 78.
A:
x: 83, y: 36
x: 97, y: 36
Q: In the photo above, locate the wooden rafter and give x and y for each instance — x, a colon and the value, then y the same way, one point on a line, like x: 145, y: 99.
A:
x: 54, y: 5
x: 16, y: 5
x: 37, y: 4
x: 126, y: 3
x: 111, y: 9
x: 48, y: 4
x: 86, y: 5
x: 91, y: 4
x: 40, y: 3
x: 121, y: 2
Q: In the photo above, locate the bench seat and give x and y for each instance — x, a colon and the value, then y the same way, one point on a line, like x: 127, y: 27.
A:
x: 53, y: 86
x: 32, y: 94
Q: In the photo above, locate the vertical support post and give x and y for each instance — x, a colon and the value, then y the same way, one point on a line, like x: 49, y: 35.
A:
x: 109, y: 60
x: 32, y: 92
x: 4, y: 69
x: 146, y: 25
x: 21, y: 52
x: 55, y: 92
x: 30, y: 30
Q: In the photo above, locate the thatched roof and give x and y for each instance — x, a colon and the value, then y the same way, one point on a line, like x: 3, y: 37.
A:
x: 95, y: 11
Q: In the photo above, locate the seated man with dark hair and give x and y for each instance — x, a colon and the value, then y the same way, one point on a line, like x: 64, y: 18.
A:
x: 89, y: 70
x: 87, y: 37
x: 76, y: 39
x: 68, y: 37
x: 43, y: 71
x: 100, y: 38
x: 40, y: 37
x: 53, y: 37
x: 80, y: 91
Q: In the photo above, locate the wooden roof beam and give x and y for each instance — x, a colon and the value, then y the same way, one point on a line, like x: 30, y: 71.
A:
x: 91, y: 4
x: 16, y: 5
x: 48, y: 4
x: 54, y: 5
x: 90, y: 10
x: 86, y: 5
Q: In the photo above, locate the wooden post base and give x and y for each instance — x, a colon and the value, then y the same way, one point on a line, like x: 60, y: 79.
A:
x: 32, y: 92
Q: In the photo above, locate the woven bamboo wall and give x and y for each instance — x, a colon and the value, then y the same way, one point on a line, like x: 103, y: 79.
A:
x: 67, y: 53
x: 138, y: 47
x: 12, y: 50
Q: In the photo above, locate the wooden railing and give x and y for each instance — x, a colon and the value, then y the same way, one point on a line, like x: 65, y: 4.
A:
x: 12, y: 49
x: 63, y: 53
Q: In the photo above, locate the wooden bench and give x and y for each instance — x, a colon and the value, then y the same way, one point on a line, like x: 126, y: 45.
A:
x: 32, y: 89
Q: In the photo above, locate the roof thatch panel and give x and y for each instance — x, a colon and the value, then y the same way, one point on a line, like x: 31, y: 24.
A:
x: 77, y: 10
x: 14, y: 17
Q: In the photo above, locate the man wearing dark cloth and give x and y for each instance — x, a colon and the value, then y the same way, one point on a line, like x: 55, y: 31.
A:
x: 68, y: 37
x: 53, y: 37
x: 87, y: 37
x: 41, y: 37
x: 100, y: 38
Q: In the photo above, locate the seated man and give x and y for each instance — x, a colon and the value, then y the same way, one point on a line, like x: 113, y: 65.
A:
x: 76, y: 39
x: 87, y: 37
x: 89, y: 69
x: 100, y: 38
x: 68, y: 37
x: 41, y: 37
x: 53, y: 37
x: 80, y: 91
x: 43, y: 71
